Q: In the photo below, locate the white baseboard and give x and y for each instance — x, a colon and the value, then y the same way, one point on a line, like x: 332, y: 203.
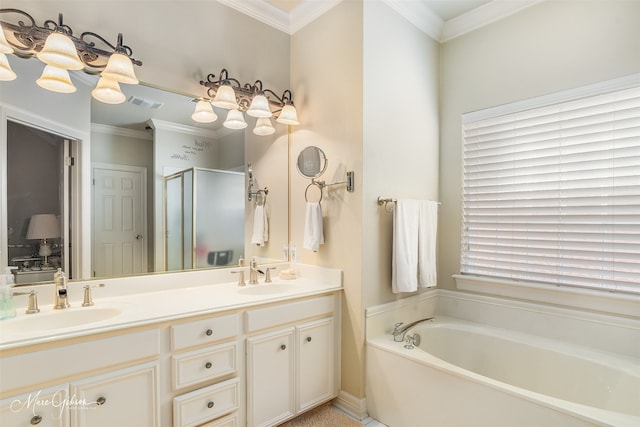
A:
x: 351, y: 405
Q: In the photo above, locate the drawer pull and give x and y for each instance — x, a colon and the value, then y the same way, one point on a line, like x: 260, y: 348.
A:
x: 210, y: 404
x: 36, y: 420
x: 308, y: 339
x: 101, y: 401
x: 283, y: 347
x: 209, y: 332
x: 208, y: 365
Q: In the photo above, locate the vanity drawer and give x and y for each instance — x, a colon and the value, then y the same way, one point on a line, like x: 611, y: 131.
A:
x: 263, y: 318
x: 202, y: 365
x: 204, y: 331
x: 228, y: 421
x: 205, y: 404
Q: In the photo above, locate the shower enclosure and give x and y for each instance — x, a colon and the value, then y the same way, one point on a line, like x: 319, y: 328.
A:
x: 204, y: 218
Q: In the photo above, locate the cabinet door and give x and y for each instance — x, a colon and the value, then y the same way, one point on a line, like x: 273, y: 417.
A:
x: 270, y: 377
x: 127, y: 397
x: 315, y: 362
x: 44, y: 408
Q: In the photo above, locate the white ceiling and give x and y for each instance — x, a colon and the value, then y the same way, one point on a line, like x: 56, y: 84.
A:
x: 440, y: 19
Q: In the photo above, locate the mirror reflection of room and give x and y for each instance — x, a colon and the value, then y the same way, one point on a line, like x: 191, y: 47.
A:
x: 35, y: 197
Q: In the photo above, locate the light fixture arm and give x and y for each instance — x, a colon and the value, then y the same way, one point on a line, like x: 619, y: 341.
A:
x: 31, y: 38
x: 246, y: 92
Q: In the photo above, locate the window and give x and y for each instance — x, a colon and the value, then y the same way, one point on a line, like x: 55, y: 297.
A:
x: 551, y: 193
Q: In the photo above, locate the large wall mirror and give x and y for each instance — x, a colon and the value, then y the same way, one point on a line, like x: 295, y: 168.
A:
x: 134, y: 188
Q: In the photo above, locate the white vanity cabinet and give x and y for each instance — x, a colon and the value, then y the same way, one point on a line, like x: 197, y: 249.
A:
x: 292, y: 367
x: 205, y: 355
x: 42, y: 408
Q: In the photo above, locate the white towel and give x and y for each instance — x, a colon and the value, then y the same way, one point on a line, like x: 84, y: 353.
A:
x: 414, y: 245
x: 260, y: 233
x: 313, y: 234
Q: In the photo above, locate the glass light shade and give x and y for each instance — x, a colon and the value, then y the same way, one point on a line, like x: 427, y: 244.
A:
x: 120, y: 69
x: 5, y: 47
x: 60, y: 51
x: 288, y: 115
x: 108, y: 91
x: 225, y: 98
x: 6, y: 73
x: 235, y: 120
x: 204, y: 112
x: 56, y: 79
x: 263, y: 127
x: 259, y: 107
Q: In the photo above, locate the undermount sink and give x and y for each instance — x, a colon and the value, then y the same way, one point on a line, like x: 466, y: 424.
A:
x: 266, y: 288
x: 58, y: 319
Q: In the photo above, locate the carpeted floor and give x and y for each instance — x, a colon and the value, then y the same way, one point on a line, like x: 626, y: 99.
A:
x: 322, y: 416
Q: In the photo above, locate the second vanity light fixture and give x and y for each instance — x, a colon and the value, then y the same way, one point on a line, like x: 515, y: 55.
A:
x: 228, y: 93
x: 54, y: 44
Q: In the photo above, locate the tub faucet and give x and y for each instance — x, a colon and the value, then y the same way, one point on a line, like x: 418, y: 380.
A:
x: 400, y: 329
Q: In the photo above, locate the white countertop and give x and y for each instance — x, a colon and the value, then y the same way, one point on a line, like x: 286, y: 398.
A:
x: 152, y: 306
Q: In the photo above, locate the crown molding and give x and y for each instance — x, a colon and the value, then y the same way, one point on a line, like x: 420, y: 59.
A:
x: 188, y: 130
x: 420, y: 15
x: 307, y: 11
x: 481, y: 16
x: 115, y: 130
x: 262, y: 11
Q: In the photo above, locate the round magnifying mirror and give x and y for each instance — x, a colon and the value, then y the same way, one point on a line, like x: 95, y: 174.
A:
x: 312, y: 162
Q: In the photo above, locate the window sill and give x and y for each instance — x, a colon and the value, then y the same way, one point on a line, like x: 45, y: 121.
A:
x: 585, y: 299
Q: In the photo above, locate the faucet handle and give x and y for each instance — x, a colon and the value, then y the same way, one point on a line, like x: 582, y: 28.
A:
x: 87, y: 301
x: 396, y: 327
x: 267, y: 278
x: 241, y: 281
x: 33, y: 301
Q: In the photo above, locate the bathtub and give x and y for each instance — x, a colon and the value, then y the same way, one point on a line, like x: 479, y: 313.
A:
x: 469, y: 374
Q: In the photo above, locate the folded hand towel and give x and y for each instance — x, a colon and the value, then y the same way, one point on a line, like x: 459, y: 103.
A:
x: 260, y: 226
x: 313, y: 233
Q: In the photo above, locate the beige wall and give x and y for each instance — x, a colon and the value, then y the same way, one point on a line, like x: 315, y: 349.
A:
x: 326, y: 72
x: 552, y: 46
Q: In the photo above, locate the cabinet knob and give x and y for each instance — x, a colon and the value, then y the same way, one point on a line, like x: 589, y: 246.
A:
x: 308, y: 339
x: 35, y: 420
x: 208, y: 365
x: 101, y: 401
x: 209, y: 332
x: 283, y: 347
x: 210, y: 404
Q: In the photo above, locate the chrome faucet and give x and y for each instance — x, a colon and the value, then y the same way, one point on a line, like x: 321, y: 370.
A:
x: 253, y: 272
x: 400, y: 329
x: 61, y: 296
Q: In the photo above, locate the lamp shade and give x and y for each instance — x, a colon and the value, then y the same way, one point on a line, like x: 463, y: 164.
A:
x: 60, y: 51
x: 259, y: 107
x: 235, y: 120
x: 108, y: 91
x: 204, y: 112
x: 6, y: 73
x: 120, y: 69
x: 263, y: 127
x: 56, y: 79
x: 5, y: 47
x: 225, y: 98
x: 288, y: 115
x: 43, y: 226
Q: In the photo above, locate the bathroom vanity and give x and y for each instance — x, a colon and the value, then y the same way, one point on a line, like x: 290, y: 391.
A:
x: 214, y: 355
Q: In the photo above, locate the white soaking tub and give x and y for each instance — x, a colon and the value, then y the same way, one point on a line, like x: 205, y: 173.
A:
x: 470, y: 374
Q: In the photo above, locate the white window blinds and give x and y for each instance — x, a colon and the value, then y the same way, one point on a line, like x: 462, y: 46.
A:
x: 552, y: 194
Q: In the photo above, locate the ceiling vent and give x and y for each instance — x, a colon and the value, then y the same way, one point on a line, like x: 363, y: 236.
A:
x: 145, y: 103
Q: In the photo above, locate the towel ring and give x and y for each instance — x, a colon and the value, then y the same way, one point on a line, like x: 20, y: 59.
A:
x: 313, y: 183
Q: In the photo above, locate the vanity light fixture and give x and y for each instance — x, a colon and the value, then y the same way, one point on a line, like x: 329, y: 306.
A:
x: 54, y: 44
x: 228, y: 93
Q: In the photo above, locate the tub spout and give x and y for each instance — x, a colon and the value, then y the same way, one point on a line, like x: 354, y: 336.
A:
x: 400, y: 329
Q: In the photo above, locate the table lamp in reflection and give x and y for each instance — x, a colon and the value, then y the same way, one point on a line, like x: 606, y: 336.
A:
x: 43, y: 227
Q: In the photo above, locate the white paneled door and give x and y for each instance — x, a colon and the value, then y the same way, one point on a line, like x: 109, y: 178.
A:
x: 120, y: 220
